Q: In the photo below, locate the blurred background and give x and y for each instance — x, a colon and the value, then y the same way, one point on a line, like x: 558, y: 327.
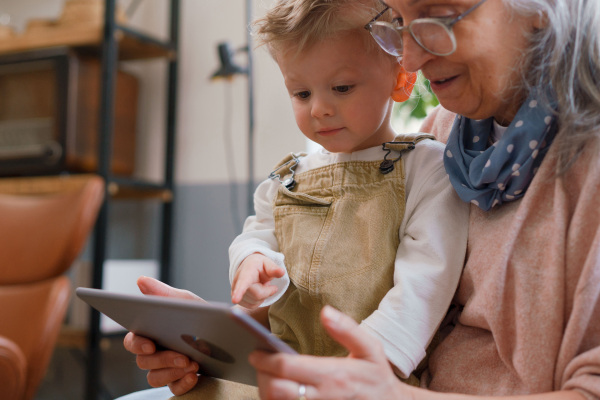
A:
x: 232, y: 123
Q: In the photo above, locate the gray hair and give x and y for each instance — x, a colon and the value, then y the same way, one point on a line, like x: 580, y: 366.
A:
x: 565, y: 55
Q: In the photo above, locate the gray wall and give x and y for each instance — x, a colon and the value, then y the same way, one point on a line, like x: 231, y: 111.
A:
x: 205, y: 224
x: 206, y: 220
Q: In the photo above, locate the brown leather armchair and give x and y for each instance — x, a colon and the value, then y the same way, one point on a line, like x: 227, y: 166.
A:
x: 40, y: 237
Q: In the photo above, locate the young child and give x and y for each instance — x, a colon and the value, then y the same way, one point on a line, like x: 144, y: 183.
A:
x: 369, y: 224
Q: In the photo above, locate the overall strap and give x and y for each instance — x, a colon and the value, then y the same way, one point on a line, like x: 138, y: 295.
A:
x: 401, y: 144
x: 285, y: 167
x: 406, y: 141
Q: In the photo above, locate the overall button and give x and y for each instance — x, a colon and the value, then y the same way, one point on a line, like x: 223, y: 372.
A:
x: 386, y: 166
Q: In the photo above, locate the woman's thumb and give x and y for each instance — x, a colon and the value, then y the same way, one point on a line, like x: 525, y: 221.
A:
x: 346, y: 331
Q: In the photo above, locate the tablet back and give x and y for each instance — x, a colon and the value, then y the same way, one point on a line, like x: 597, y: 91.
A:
x: 217, y: 336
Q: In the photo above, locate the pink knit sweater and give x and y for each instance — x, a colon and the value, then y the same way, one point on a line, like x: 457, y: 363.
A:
x: 530, y: 288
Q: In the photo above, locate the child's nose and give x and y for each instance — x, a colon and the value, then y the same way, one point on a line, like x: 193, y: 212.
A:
x: 322, y: 107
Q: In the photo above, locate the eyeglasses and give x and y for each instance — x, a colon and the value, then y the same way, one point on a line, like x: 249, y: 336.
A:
x: 432, y: 34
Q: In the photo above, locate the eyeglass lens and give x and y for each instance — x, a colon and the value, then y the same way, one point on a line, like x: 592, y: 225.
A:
x: 432, y: 36
x: 388, y: 38
x: 429, y: 34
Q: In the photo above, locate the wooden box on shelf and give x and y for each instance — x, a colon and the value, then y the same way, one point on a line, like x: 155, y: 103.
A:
x: 83, y: 156
x: 49, y: 114
x: 80, y: 24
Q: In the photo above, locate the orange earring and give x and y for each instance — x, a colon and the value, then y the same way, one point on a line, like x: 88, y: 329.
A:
x: 404, y: 86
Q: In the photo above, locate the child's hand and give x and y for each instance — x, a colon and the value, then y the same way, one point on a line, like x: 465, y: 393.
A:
x: 250, y: 285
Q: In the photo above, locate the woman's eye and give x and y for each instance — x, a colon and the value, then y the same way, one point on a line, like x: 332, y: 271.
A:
x: 441, y: 12
x: 342, y: 88
x: 303, y: 95
x: 444, y: 17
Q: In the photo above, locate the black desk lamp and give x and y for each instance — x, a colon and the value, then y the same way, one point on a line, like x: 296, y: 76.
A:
x: 228, y: 66
x: 228, y: 69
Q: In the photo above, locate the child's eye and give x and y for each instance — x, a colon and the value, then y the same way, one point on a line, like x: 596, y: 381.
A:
x: 342, y: 88
x: 303, y: 95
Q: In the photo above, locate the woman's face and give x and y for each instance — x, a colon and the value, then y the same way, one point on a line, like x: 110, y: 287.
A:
x: 480, y: 78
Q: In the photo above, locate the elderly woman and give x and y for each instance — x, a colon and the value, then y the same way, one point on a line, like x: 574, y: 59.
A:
x: 519, y: 84
x: 523, y: 78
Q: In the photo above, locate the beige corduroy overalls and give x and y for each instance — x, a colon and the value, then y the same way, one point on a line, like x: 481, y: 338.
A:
x: 338, y: 229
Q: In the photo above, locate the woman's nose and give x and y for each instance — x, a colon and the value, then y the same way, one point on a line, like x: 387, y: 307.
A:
x: 321, y: 107
x: 414, y: 57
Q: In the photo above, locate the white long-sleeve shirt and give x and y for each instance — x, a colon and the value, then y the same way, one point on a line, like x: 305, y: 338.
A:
x: 429, y: 259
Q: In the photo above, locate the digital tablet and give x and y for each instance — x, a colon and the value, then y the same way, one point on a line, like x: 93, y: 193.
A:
x: 217, y: 336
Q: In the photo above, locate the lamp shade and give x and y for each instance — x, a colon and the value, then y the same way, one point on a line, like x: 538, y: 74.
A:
x: 228, y: 68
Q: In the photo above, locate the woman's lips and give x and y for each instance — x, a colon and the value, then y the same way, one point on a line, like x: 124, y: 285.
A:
x: 440, y: 84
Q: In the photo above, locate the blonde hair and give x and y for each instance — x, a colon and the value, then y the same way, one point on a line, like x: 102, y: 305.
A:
x: 299, y: 24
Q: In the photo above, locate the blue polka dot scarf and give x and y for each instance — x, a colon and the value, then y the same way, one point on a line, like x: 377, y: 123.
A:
x: 488, y: 176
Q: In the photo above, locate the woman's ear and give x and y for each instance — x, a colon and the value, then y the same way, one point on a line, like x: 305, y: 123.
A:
x: 405, y: 82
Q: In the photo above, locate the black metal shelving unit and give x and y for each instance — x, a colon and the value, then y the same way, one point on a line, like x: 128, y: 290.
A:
x: 122, y: 43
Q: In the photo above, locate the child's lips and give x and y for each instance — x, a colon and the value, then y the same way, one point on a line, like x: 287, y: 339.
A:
x: 329, y: 131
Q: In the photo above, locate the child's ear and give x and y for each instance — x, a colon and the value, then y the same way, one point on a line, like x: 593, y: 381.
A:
x: 404, y: 85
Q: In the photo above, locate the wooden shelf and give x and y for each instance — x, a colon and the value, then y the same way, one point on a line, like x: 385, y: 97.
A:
x: 133, y: 45
x: 41, y: 185
x: 121, y: 189
x: 132, y: 190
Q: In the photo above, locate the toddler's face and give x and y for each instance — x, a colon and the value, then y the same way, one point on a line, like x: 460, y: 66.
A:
x: 341, y: 92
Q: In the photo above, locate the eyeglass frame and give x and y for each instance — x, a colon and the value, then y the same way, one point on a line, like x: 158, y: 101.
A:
x: 447, y: 25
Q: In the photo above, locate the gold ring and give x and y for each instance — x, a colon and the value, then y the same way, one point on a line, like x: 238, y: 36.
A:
x: 301, y: 392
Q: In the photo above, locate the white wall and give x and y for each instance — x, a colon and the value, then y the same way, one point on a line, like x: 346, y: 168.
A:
x: 201, y: 152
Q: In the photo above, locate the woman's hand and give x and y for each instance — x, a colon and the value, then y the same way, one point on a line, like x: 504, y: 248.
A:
x: 164, y: 367
x: 364, y: 374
